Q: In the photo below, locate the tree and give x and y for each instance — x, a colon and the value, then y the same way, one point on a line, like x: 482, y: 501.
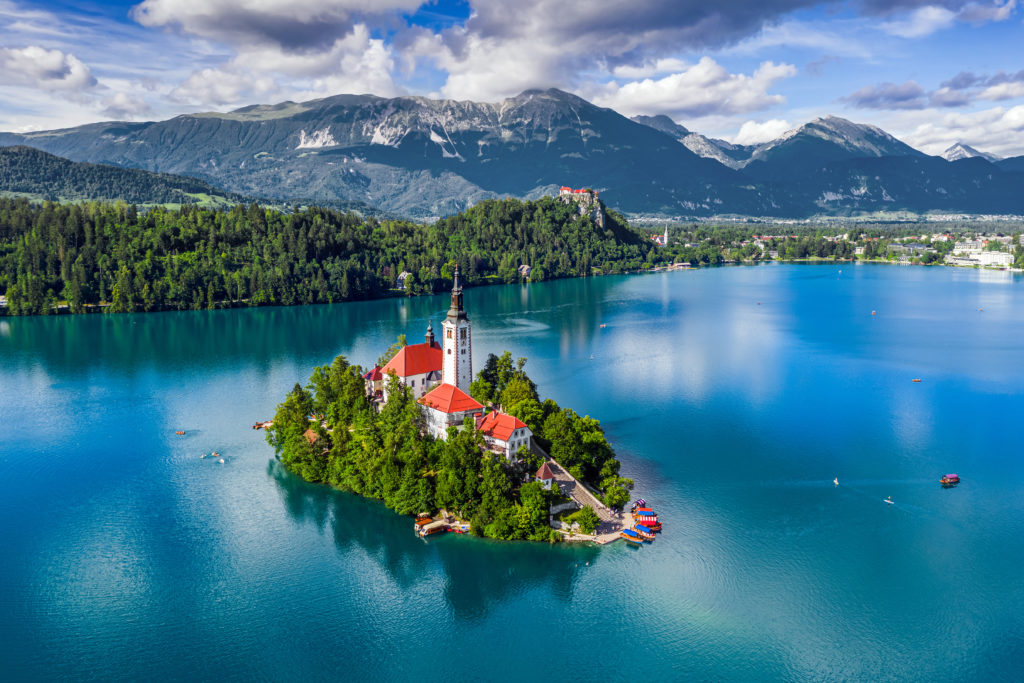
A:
x: 586, y: 518
x: 616, y: 491
x: 392, y: 351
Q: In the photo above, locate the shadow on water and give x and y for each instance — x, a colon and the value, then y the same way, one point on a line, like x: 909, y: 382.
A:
x: 479, y: 574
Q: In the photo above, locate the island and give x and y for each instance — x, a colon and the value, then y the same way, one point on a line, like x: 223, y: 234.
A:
x: 421, y: 433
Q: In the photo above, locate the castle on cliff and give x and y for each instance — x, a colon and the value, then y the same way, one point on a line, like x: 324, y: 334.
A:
x: 588, y: 202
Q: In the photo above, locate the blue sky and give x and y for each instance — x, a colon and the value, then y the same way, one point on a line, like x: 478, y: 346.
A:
x: 930, y: 72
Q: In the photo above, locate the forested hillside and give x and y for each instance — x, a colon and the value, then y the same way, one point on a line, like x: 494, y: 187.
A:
x: 31, y: 172
x: 113, y: 255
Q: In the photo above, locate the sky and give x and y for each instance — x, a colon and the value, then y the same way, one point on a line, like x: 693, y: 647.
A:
x: 931, y: 72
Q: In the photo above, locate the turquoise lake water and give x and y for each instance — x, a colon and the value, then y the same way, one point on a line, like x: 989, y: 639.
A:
x: 732, y: 395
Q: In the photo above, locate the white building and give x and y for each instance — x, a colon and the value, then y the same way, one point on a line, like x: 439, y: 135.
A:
x: 418, y: 366
x: 968, y: 246
x: 504, y: 434
x: 457, y: 366
x: 447, y: 406
x: 998, y: 259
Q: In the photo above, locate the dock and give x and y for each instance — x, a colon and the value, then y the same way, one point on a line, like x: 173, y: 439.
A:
x: 611, y: 523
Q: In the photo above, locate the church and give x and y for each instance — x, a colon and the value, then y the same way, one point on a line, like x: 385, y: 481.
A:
x: 439, y: 376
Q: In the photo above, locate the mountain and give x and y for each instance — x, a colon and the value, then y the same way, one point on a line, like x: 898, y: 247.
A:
x: 805, y: 150
x: 25, y: 171
x: 726, y: 153
x: 1012, y: 164
x: 961, y: 151
x: 419, y: 156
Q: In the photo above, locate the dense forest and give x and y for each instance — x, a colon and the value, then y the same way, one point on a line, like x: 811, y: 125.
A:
x: 329, y: 432
x: 31, y: 172
x: 115, y: 256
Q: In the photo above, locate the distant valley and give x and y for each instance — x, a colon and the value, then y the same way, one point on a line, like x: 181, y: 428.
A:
x: 424, y: 158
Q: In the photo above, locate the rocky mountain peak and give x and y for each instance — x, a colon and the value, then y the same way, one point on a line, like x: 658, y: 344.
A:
x: 963, y: 151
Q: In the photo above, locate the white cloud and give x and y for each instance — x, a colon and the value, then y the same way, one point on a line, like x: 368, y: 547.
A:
x: 921, y: 22
x: 837, y: 38
x: 45, y: 69
x: 488, y: 69
x: 926, y: 20
x: 1003, y: 91
x: 702, y: 89
x: 755, y: 132
x: 216, y: 87
x: 122, y: 106
x: 979, y: 13
x: 998, y: 130
x: 666, y: 65
x: 354, y: 64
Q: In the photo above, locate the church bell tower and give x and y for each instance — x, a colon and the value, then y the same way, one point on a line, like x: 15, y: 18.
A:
x: 457, y: 367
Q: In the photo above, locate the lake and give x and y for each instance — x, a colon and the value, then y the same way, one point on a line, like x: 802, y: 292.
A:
x: 733, y: 397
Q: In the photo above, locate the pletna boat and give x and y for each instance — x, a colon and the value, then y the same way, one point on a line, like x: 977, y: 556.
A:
x: 645, y: 532
x: 432, y: 528
x: 631, y: 536
x: 950, y: 480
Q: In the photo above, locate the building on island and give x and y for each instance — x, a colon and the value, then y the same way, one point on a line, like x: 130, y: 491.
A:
x: 503, y: 433
x: 545, y: 476
x: 439, y: 376
x: 374, y: 380
x: 448, y: 406
x: 457, y: 367
x: 418, y: 366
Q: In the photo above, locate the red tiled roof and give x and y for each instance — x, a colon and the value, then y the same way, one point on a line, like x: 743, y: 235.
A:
x: 415, y: 359
x: 499, y: 425
x: 545, y: 472
x: 448, y: 398
x: 374, y: 375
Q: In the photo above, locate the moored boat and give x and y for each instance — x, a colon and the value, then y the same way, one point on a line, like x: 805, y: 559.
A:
x: 432, y: 528
x: 950, y: 480
x: 644, y: 532
x: 631, y: 536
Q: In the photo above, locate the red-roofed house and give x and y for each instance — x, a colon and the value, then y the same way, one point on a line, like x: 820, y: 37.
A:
x: 545, y: 476
x: 374, y: 380
x: 503, y: 433
x: 447, y: 406
x: 418, y: 366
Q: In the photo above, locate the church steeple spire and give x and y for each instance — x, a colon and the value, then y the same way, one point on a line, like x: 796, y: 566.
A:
x: 456, y: 311
x: 457, y: 367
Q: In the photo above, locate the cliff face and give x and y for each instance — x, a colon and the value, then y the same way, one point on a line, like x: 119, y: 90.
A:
x: 587, y: 202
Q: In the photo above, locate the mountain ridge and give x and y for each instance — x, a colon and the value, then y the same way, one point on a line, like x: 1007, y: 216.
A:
x: 423, y: 157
